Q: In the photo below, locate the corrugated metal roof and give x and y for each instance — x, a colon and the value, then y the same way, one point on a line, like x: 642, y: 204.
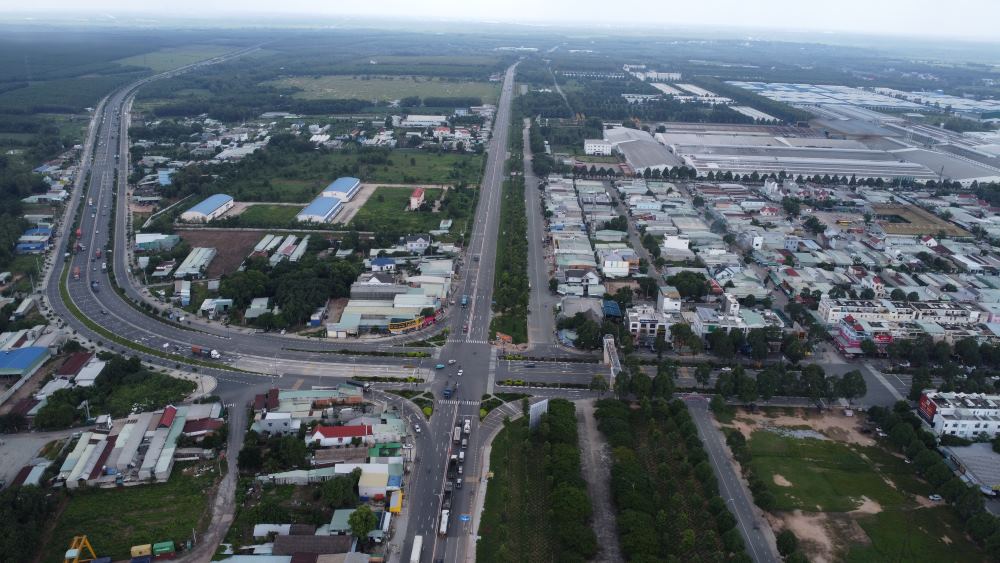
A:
x: 320, y: 207
x: 210, y: 204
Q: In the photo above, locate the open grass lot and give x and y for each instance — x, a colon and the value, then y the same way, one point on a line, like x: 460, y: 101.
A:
x: 826, y: 476
x: 516, y: 501
x: 928, y: 534
x: 298, y: 178
x: 386, y: 209
x: 287, y: 503
x: 233, y: 247
x: 857, y: 503
x: 116, y: 519
x: 385, y: 88
x: 264, y: 215
x: 174, y: 57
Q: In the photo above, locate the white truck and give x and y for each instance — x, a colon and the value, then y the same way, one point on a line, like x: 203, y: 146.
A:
x: 467, y: 427
x: 443, y: 527
x: 418, y: 547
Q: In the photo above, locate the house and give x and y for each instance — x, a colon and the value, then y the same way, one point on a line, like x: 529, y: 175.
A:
x: 383, y: 264
x: 277, y: 423
x: 668, y: 299
x: 327, y: 436
x: 416, y: 199
x: 417, y: 244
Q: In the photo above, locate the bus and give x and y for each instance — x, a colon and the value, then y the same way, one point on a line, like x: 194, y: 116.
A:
x: 443, y: 527
x: 418, y: 547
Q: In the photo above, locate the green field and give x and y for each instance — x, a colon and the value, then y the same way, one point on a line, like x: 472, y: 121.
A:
x: 274, y: 176
x: 826, y: 476
x: 116, y: 519
x: 174, y: 57
x: 386, y: 209
x: 264, y: 215
x: 385, y: 88
x: 832, y: 477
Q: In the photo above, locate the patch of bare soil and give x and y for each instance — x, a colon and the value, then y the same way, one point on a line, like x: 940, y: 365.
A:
x: 823, y: 536
x: 831, y: 424
x: 781, y: 481
x: 868, y: 506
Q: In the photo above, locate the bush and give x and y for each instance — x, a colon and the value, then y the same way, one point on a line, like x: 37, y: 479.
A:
x: 787, y: 542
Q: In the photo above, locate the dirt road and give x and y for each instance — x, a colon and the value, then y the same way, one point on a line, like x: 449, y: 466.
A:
x: 595, y: 458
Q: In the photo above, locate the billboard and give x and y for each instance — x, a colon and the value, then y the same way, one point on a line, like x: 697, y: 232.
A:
x: 535, y: 413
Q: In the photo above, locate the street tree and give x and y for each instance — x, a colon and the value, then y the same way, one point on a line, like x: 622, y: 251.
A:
x: 362, y: 521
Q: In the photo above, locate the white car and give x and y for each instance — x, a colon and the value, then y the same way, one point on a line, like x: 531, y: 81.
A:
x: 935, y: 498
x: 451, y: 362
x: 417, y: 428
x: 460, y: 372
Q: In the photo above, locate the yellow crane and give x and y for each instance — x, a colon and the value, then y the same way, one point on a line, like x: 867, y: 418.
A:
x: 80, y: 550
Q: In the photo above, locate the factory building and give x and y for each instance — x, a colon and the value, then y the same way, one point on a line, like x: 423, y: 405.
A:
x: 321, y: 210
x: 342, y: 188
x: 211, y: 208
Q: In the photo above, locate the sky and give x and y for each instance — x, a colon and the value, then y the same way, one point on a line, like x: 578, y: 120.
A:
x: 961, y: 19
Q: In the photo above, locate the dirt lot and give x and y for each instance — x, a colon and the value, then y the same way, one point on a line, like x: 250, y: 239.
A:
x: 832, y: 424
x: 232, y: 247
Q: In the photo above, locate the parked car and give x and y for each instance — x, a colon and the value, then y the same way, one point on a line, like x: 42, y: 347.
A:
x: 935, y: 498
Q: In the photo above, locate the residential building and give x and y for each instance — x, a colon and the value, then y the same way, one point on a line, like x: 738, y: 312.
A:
x: 668, y: 299
x: 966, y: 415
x: 417, y: 244
x: 327, y: 436
x: 416, y: 199
x: 646, y: 322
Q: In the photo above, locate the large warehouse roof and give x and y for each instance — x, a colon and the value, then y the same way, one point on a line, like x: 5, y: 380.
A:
x: 322, y: 207
x: 210, y: 204
x: 342, y: 185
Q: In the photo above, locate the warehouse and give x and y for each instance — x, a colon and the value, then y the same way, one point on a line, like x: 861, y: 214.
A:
x: 321, y: 210
x: 212, y: 207
x: 195, y: 263
x: 342, y: 188
x: 155, y: 242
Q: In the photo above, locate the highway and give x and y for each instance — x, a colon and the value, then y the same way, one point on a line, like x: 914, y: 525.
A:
x: 541, y: 301
x: 472, y: 354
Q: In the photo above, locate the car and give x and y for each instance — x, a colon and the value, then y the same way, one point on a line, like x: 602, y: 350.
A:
x: 458, y: 483
x: 407, y: 446
x: 935, y: 498
x: 529, y: 365
x: 460, y: 372
x: 465, y: 328
x: 726, y: 369
x: 460, y: 468
x: 103, y: 312
x: 417, y: 428
x: 451, y: 362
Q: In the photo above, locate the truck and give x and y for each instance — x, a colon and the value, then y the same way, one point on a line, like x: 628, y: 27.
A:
x: 205, y: 352
x: 104, y: 266
x: 76, y: 272
x: 465, y: 301
x: 418, y: 547
x: 457, y: 434
x: 467, y: 427
x: 79, y: 233
x: 361, y: 384
x: 97, y: 253
x: 443, y: 527
x: 90, y: 202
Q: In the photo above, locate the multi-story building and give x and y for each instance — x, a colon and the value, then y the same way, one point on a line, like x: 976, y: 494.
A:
x: 598, y: 147
x: 645, y: 322
x: 832, y: 310
x: 966, y: 415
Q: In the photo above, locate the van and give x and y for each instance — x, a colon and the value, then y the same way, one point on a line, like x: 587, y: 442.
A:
x: 461, y: 456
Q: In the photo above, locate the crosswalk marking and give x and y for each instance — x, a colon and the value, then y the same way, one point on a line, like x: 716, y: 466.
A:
x: 457, y: 402
x: 467, y: 341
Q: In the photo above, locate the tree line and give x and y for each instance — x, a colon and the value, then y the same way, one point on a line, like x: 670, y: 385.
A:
x: 665, y: 492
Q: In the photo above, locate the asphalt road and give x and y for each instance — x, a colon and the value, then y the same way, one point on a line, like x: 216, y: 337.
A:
x: 468, y: 347
x: 756, y: 531
x: 541, y: 302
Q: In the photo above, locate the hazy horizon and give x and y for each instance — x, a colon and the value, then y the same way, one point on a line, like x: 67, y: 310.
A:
x: 968, y: 20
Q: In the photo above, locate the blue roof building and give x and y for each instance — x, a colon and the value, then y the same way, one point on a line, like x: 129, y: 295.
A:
x: 342, y: 188
x: 22, y: 361
x: 321, y: 210
x: 210, y: 208
x: 163, y: 176
x: 612, y: 309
